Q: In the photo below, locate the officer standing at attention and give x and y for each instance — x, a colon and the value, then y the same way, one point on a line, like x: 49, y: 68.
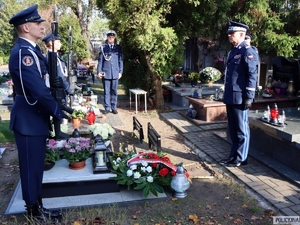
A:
x: 240, y: 83
x: 29, y: 119
x: 110, y: 69
x: 61, y: 65
x: 248, y: 39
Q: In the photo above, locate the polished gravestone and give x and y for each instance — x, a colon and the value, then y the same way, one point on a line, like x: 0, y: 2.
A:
x: 281, y: 143
x: 286, y: 70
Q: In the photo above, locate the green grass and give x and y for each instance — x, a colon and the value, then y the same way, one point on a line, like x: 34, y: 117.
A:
x: 5, y: 134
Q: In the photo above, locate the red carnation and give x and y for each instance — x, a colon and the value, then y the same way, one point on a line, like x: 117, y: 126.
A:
x: 154, y: 165
x: 166, y: 159
x: 163, y: 172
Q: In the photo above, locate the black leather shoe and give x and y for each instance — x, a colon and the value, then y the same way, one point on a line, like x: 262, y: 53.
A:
x: 236, y: 163
x: 114, y: 111
x: 227, y: 160
x: 106, y: 112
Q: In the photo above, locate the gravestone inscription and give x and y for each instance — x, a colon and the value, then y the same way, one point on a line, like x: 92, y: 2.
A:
x: 285, y: 70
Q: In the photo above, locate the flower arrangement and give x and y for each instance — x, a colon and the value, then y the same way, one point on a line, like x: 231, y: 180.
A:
x: 77, y: 149
x: 194, y: 76
x: 209, y: 74
x: 52, y: 151
x: 104, y: 130
x: 268, y: 91
x: 149, y: 171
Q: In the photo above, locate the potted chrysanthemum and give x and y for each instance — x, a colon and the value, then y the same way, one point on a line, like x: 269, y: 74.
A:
x: 77, y: 151
x: 52, y: 153
x: 209, y: 75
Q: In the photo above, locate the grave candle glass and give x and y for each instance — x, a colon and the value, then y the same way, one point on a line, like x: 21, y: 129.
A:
x: 274, y: 113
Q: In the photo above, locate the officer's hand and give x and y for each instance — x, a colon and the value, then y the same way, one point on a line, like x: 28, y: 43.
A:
x: 247, y: 103
x: 65, y: 116
x: 57, y: 82
x: 120, y: 75
x: 100, y: 75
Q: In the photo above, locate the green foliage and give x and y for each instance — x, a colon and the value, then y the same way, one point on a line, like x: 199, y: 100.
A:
x: 52, y: 155
x: 79, y: 46
x: 78, y: 113
x: 194, y: 76
x: 8, y: 34
x: 5, y: 134
x: 4, y: 77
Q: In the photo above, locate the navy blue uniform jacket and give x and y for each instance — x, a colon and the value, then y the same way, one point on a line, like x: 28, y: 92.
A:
x: 30, y: 118
x: 114, y: 63
x: 241, y: 74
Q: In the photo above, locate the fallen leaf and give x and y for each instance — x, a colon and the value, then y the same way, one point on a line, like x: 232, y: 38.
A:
x: 237, y: 221
x: 174, y: 199
x: 134, y: 217
x: 227, y: 197
x: 255, y: 218
x: 77, y: 223
x: 244, y: 206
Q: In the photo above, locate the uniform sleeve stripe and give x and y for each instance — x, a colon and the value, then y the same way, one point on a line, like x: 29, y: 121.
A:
x: 250, y: 89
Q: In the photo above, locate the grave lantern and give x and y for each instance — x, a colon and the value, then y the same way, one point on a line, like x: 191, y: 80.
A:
x: 100, y: 159
x: 180, y: 183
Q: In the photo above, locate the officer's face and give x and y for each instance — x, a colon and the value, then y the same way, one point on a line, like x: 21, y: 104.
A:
x: 35, y: 30
x: 235, y: 38
x: 247, y: 41
x: 57, y: 45
x: 111, y: 39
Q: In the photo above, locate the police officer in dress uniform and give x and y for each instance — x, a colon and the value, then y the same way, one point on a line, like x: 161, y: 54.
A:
x: 32, y: 108
x: 61, y: 65
x: 240, y: 83
x: 110, y: 69
x: 248, y: 39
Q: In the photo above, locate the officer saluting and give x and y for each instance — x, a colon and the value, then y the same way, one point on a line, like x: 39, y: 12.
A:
x: 32, y: 108
x: 240, y: 84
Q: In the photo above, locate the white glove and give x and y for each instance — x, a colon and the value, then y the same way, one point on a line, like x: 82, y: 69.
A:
x: 120, y: 75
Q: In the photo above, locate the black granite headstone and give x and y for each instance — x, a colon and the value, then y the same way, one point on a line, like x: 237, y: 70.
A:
x: 285, y: 70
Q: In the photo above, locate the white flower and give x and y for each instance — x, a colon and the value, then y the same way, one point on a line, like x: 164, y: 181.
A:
x: 133, y: 167
x: 143, y: 168
x: 61, y: 143
x: 144, y: 163
x: 118, y: 159
x: 150, y: 179
x: 136, y: 175
x: 149, y: 169
x: 129, y: 173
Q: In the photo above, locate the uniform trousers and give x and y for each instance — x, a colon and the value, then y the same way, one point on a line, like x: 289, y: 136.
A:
x: 31, y: 152
x: 110, y: 93
x: 239, y: 131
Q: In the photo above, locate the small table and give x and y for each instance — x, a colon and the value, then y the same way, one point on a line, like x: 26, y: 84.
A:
x: 136, y: 92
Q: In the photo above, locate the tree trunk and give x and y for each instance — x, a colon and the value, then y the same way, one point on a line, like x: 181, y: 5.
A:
x: 84, y: 23
x: 159, y: 100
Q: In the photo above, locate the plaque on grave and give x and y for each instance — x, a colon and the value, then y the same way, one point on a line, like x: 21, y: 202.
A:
x: 286, y: 70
